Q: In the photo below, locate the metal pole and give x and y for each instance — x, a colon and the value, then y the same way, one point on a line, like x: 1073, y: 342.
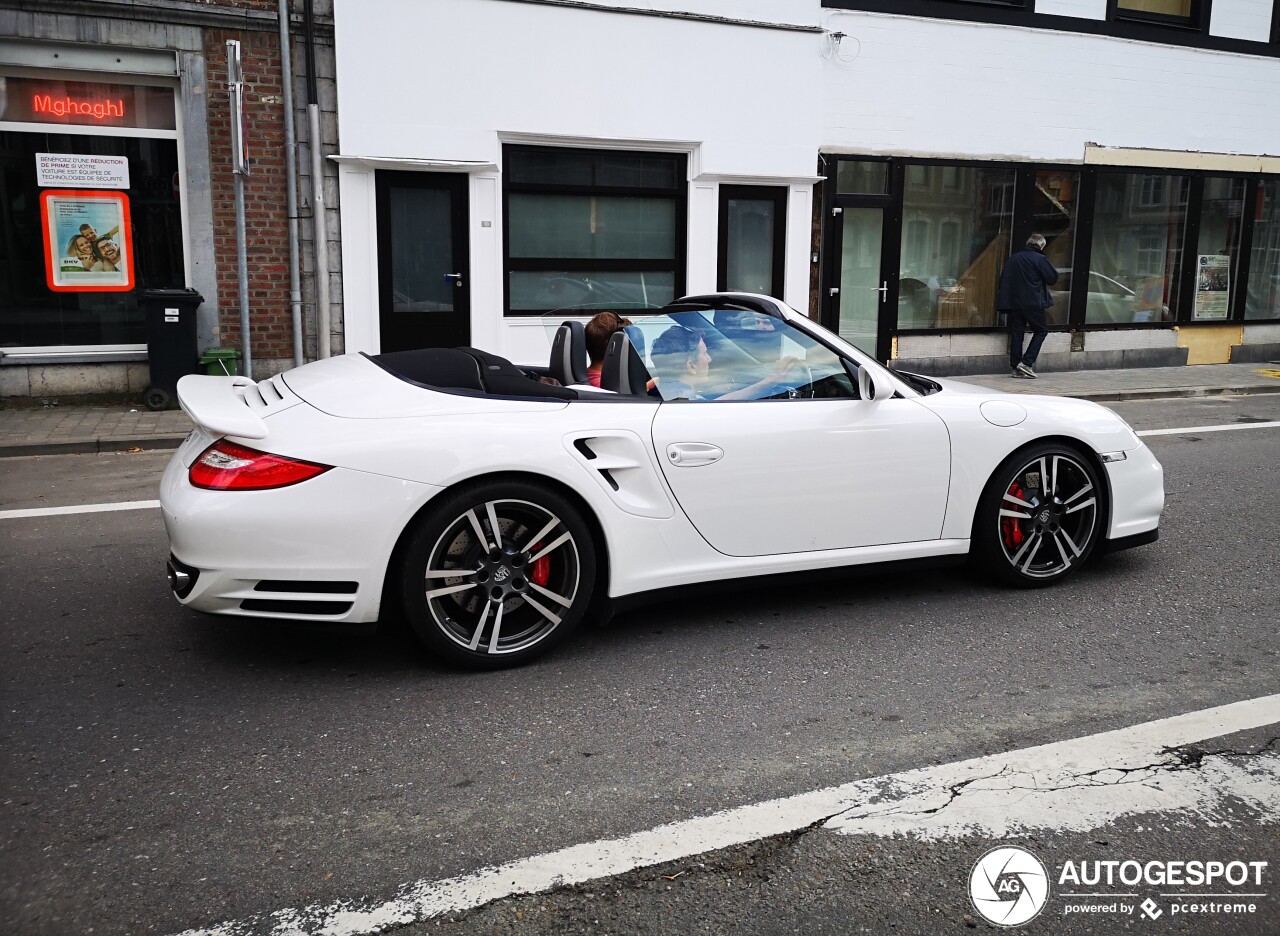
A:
x: 320, y: 229
x: 242, y: 262
x: 239, y: 169
x: 291, y: 183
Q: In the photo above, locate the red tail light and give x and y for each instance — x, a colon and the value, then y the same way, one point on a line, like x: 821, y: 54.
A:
x: 225, y: 466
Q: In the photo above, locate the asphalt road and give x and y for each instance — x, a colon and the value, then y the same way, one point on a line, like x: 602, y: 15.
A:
x: 164, y: 770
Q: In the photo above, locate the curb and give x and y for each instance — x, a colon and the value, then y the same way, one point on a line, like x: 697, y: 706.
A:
x: 1169, y: 393
x: 91, y: 446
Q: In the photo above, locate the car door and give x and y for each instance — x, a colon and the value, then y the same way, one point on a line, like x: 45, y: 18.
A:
x: 793, y: 475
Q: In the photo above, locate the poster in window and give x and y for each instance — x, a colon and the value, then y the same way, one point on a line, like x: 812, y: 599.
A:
x: 1212, y: 286
x: 88, y: 245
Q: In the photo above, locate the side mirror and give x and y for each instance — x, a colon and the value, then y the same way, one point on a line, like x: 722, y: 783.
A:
x: 873, y: 383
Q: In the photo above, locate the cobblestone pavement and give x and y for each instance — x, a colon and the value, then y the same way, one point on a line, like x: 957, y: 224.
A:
x: 54, y: 428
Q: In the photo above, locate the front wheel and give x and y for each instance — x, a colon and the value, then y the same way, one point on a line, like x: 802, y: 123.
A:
x: 498, y: 574
x: 1039, y: 517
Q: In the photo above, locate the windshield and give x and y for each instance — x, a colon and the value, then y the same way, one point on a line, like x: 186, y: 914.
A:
x: 702, y: 354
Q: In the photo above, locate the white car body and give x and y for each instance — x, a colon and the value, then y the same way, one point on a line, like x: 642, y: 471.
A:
x: 679, y: 493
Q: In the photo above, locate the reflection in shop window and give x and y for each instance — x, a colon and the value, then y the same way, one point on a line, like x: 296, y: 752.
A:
x: 1262, y: 301
x: 954, y: 245
x: 1053, y: 214
x: 1136, y: 258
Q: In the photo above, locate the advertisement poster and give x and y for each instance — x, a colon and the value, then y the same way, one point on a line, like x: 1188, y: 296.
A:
x: 87, y: 241
x: 69, y: 170
x: 1212, y: 286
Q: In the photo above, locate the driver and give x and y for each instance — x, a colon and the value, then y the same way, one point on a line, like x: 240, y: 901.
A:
x: 682, y: 366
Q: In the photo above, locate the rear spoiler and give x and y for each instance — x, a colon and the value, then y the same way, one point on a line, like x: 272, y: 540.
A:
x: 216, y: 404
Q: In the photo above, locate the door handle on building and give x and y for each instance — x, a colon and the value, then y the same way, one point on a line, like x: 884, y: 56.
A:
x: 456, y: 277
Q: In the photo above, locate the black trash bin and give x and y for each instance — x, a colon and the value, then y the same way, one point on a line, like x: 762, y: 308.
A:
x: 171, y: 341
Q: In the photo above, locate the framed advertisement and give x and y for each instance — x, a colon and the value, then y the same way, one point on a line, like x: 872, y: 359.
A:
x: 1213, y: 286
x: 88, y: 242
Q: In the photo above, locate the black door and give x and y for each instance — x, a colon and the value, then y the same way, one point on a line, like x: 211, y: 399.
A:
x: 424, y: 285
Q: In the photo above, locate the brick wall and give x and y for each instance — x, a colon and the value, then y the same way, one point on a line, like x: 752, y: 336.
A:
x: 266, y: 218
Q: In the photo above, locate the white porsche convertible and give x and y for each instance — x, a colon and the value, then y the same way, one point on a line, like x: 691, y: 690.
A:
x: 730, y: 438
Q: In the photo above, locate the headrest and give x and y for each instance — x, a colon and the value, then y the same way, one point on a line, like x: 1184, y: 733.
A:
x: 569, y: 354
x: 623, y: 371
x: 636, y: 337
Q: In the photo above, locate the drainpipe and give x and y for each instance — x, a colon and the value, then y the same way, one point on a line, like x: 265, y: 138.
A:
x: 320, y: 224
x: 291, y: 177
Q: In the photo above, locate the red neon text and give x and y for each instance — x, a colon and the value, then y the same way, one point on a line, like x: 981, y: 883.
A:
x: 69, y: 106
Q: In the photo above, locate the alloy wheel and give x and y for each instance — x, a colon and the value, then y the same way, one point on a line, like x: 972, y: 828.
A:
x: 502, y: 576
x: 1048, y: 516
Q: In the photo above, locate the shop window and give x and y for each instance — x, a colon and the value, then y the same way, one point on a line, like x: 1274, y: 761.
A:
x: 954, y: 247
x: 593, y: 228
x: 752, y: 236
x: 1053, y: 214
x: 1136, y: 258
x: 1172, y: 12
x: 1262, y: 300
x: 44, y: 299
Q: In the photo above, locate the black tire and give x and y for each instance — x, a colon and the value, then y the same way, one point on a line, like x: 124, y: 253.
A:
x: 156, y: 399
x: 509, y: 602
x: 1030, y: 533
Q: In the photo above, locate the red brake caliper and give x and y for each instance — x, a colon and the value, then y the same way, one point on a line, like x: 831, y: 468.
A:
x: 1010, y: 528
x: 540, y: 571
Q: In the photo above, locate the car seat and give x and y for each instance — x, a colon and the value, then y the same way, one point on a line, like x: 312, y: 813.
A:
x: 569, y: 354
x: 623, y: 370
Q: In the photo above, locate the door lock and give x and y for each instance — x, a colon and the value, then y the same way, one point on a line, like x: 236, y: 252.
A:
x: 456, y: 277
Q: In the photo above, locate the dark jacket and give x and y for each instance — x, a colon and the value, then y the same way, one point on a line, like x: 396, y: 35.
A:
x: 1025, y: 282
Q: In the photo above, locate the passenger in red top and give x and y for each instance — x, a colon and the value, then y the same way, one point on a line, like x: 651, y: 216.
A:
x: 598, y: 332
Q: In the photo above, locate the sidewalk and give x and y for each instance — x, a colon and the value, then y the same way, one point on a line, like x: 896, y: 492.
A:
x: 51, y: 430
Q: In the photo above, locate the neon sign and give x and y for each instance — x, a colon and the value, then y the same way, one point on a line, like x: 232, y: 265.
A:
x: 87, y: 103
x: 69, y: 106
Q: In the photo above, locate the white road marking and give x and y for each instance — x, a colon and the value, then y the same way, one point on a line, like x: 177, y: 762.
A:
x: 76, y: 509
x: 879, y: 805
x: 1257, y: 425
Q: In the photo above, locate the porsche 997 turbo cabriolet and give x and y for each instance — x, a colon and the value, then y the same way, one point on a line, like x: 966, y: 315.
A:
x: 730, y: 438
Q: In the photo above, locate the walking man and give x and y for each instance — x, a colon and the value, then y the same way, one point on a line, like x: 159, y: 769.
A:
x: 1024, y: 297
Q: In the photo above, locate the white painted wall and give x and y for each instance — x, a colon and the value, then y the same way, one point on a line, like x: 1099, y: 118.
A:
x: 943, y: 88
x: 454, y: 79
x: 1241, y: 19
x: 1084, y: 9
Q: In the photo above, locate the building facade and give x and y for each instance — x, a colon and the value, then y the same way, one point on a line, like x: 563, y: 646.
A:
x: 873, y: 162
x: 116, y: 115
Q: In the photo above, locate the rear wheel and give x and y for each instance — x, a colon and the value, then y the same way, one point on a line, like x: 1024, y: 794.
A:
x: 1039, y: 517
x: 498, y: 574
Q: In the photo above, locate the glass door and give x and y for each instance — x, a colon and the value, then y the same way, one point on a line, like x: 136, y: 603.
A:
x: 861, y: 288
x: 423, y: 279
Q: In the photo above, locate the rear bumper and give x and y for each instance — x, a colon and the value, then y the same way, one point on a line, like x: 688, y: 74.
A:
x: 316, y: 551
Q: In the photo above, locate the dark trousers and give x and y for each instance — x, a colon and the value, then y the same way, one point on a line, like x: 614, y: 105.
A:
x: 1019, y: 321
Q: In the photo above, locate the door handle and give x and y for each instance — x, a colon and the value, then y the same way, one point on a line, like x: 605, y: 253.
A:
x: 693, y: 454
x: 456, y: 277
x: 882, y: 289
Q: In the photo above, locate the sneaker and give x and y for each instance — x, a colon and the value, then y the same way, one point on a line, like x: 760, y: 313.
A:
x: 1024, y: 370
x: 1017, y: 373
